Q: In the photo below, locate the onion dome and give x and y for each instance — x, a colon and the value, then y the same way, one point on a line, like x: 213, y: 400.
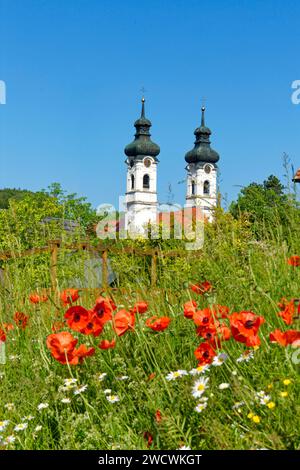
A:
x: 202, y: 152
x: 142, y: 144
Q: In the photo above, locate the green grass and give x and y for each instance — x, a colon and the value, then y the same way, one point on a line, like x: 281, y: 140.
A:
x: 246, y: 275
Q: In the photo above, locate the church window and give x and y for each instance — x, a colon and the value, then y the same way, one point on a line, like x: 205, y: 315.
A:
x: 206, y: 187
x: 146, y: 182
x: 193, y: 188
x: 132, y: 181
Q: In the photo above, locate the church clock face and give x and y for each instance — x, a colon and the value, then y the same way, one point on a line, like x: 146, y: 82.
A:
x: 207, y: 169
x: 147, y: 162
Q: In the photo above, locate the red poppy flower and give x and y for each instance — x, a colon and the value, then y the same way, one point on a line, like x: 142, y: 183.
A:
x: 201, y: 288
x: 62, y: 348
x: 2, y: 335
x: 158, y: 324
x: 245, y: 326
x: 158, y: 416
x: 8, y: 327
x: 36, y: 298
x: 149, y: 438
x: 294, y: 261
x: 189, y: 308
x: 77, y: 317
x: 105, y: 344
x: 139, y: 307
x: 151, y: 376
x: 123, y: 321
x: 21, y: 320
x: 284, y: 338
x: 68, y: 296
x: 205, y: 353
x: 93, y: 326
x: 103, y: 310
x: 222, y: 311
x: 287, y: 314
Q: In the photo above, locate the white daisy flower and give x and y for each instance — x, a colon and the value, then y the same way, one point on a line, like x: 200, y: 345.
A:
x: 38, y: 428
x: 200, y: 407
x: 199, y: 370
x: 260, y: 394
x: 3, y: 425
x: 65, y: 400
x: 27, y: 418
x: 112, y: 398
x: 107, y: 391
x: 10, y: 439
x: 246, y: 356
x: 223, y: 386
x: 199, y: 387
x: 42, y: 406
x: 176, y: 375
x: 102, y: 376
x: 20, y: 427
x: 184, y: 448
x: 265, y: 400
x: 220, y: 359
x: 81, y: 389
x: 9, y: 406
x: 70, y: 381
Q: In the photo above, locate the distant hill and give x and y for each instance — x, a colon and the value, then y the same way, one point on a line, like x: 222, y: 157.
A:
x: 7, y: 193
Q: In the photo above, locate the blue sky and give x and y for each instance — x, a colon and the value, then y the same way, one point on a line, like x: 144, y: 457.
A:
x: 74, y: 70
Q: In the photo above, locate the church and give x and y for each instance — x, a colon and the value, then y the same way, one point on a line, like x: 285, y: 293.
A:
x: 141, y: 203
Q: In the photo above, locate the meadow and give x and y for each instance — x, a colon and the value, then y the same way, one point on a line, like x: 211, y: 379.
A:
x: 207, y: 359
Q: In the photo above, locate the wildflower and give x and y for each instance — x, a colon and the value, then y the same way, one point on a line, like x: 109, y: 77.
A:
x: 199, y: 387
x: 189, y: 309
x: 234, y: 372
x: 122, y: 377
x: 10, y: 439
x: 246, y: 356
x: 244, y: 327
x: 28, y: 418
x: 265, y: 400
x: 271, y: 405
x: 123, y: 321
x: 148, y: 437
x: 21, y: 320
x: 65, y: 400
x: 287, y: 314
x: 200, y: 407
x: 9, y: 406
x: 250, y: 415
x: 103, y: 310
x: 68, y: 296
x: 270, y: 386
x: 205, y: 354
x: 3, y: 425
x: 294, y: 261
x: 77, y: 318
x: 2, y: 336
x: 57, y: 326
x: 112, y: 398
x: 260, y: 394
x: 256, y: 419
x: 38, y: 428
x: 175, y: 375
x: 220, y: 359
x: 107, y: 391
x: 201, y: 288
x: 105, y: 344
x: 81, y: 389
x: 20, y: 427
x: 62, y: 348
x: 102, y: 376
x: 283, y: 394
x: 158, y: 324
x: 199, y: 370
x: 71, y: 381
x: 42, y: 406
x: 223, y: 386
x: 238, y: 405
x: 36, y: 298
x: 158, y: 416
x: 139, y: 307
x: 287, y: 382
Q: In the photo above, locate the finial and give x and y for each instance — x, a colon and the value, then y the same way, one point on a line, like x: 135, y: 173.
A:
x: 143, y: 108
x: 203, y: 117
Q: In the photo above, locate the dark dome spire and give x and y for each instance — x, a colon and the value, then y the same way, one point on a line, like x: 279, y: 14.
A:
x: 142, y: 144
x: 202, y: 152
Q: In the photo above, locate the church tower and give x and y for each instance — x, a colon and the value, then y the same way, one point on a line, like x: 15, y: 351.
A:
x: 202, y: 172
x: 141, y: 190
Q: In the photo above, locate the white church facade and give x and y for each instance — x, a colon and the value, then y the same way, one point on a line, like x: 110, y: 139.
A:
x: 141, y: 203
